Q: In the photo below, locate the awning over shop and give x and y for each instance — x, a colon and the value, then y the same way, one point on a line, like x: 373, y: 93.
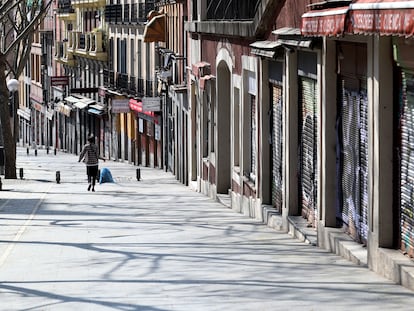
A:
x: 387, y: 17
x: 155, y: 29
x: 24, y: 113
x: 64, y: 109
x: 79, y: 101
x: 71, y: 99
x: 95, y: 111
x: 137, y: 106
x: 80, y: 105
x: 265, y: 48
x: 324, y: 22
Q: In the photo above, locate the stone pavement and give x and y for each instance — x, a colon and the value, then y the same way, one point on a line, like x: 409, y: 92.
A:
x: 157, y: 245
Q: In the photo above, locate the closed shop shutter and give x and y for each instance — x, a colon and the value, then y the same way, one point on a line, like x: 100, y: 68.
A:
x: 253, y: 152
x: 308, y: 148
x: 277, y: 147
x: 353, y: 157
x: 406, y: 187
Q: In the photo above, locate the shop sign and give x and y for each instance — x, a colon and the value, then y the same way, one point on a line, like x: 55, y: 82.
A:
x: 59, y: 80
x: 151, y: 104
x: 120, y: 106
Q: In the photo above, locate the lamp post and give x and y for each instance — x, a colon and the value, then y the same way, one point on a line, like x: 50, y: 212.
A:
x: 13, y: 87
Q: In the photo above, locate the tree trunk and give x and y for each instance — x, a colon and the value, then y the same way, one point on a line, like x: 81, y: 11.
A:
x: 8, y: 139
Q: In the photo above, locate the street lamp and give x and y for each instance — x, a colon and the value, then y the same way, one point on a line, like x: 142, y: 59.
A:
x: 13, y: 86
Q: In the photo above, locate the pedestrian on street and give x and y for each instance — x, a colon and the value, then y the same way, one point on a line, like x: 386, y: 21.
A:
x: 90, y: 156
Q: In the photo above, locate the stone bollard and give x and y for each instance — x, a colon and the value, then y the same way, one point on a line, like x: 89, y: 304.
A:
x: 138, y: 174
x: 58, y: 177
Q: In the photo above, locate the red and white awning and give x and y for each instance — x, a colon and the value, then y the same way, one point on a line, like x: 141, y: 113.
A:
x: 327, y: 22
x: 386, y: 17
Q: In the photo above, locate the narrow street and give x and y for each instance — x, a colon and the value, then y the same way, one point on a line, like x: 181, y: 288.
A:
x: 155, y: 244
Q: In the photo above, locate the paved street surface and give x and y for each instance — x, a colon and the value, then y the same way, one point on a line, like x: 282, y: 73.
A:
x: 157, y: 245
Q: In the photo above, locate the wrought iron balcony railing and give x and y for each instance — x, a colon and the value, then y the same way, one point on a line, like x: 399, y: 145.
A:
x: 65, y: 7
x: 113, y: 13
x: 132, y: 85
x: 122, y: 82
x: 231, y: 9
x: 140, y: 87
x: 149, y: 88
x: 112, y: 79
x: 128, y: 13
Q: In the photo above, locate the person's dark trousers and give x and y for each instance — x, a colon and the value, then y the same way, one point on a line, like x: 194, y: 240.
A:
x: 92, y: 172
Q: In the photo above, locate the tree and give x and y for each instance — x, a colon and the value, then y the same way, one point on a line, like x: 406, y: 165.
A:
x: 19, y: 20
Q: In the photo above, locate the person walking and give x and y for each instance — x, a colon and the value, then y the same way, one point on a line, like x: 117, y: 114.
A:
x: 90, y: 155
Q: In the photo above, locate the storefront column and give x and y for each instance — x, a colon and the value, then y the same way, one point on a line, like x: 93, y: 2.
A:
x: 290, y: 119
x: 380, y: 122
x: 328, y: 113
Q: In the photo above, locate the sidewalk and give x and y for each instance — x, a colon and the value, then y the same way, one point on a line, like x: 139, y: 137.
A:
x: 156, y: 245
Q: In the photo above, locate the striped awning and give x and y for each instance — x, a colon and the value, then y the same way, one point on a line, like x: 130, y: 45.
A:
x: 386, y: 17
x: 325, y: 22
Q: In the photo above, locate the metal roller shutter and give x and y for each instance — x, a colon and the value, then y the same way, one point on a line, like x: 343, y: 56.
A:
x: 308, y: 149
x: 353, y: 137
x: 407, y: 164
x: 277, y: 148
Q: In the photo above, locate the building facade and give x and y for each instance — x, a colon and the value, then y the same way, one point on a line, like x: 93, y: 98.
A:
x: 299, y: 109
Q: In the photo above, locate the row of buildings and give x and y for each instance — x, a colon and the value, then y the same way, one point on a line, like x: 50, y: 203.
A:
x: 303, y: 106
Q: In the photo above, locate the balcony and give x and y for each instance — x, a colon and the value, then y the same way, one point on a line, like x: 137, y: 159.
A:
x: 134, y: 13
x: 122, y: 82
x: 62, y: 55
x: 90, y: 45
x: 65, y: 11
x: 113, y: 13
x: 144, y: 9
x: 88, y: 4
x: 231, y: 18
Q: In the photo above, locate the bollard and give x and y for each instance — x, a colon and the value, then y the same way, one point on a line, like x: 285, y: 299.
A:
x: 47, y: 149
x: 21, y: 173
x: 1, y: 185
x: 36, y: 152
x: 55, y: 151
x: 58, y: 177
x: 138, y: 174
x: 27, y: 150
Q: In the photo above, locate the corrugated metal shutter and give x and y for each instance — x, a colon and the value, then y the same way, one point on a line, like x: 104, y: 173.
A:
x: 308, y: 148
x: 277, y: 148
x: 253, y: 153
x: 353, y: 136
x: 407, y: 164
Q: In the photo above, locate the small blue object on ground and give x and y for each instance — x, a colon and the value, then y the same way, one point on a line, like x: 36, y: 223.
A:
x: 105, y: 176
